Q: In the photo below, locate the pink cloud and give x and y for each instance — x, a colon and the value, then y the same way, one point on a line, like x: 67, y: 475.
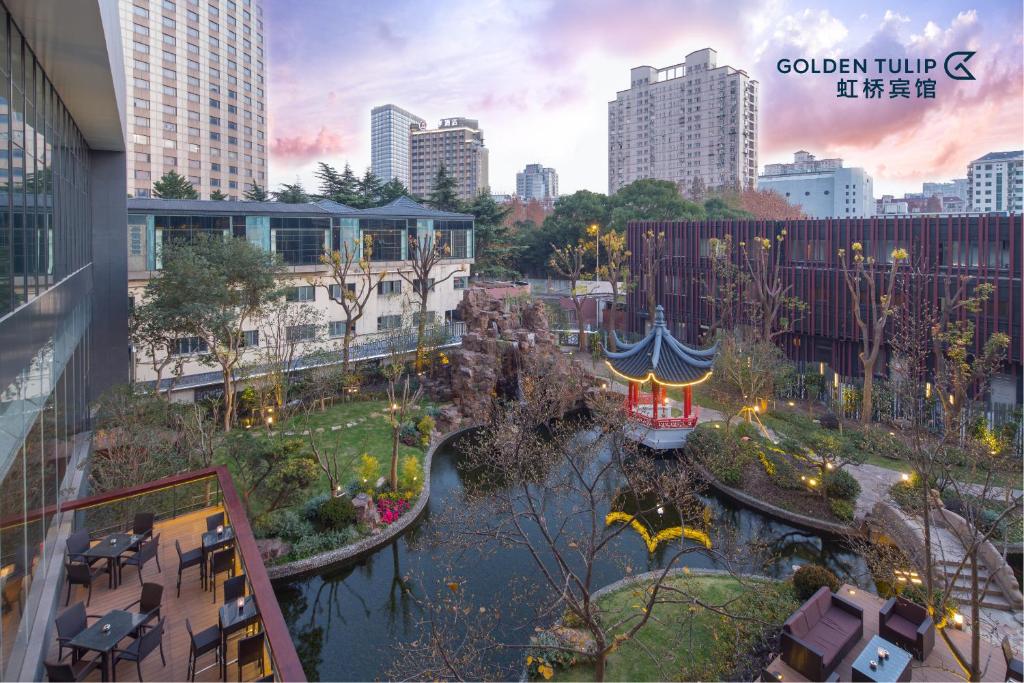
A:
x: 301, y: 147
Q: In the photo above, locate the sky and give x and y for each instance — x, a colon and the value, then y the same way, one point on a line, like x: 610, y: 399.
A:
x: 538, y: 75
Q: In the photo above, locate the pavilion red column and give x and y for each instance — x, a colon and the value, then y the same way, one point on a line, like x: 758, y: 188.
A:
x: 687, y: 401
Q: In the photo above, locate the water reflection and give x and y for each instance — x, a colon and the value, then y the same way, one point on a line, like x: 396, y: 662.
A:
x: 350, y: 623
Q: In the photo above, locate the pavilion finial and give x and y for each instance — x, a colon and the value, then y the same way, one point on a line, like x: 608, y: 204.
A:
x: 659, y: 315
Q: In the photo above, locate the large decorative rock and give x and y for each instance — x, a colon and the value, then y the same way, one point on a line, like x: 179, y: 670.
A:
x: 366, y: 510
x: 272, y: 548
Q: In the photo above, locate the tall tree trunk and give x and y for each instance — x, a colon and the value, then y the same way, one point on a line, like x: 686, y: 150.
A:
x: 229, y: 398
x: 599, y: 666
x: 346, y: 346
x: 394, y: 455
x: 928, y: 571
x: 975, y: 613
x: 869, y: 378
x: 581, y: 338
x: 610, y: 325
x: 421, y: 329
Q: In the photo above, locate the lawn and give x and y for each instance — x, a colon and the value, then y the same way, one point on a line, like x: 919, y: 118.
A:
x: 690, y: 642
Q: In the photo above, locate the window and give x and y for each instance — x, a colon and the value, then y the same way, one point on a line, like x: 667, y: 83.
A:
x: 300, y: 333
x: 336, y: 328
x: 389, y: 322
x: 302, y: 293
x: 389, y: 287
x: 460, y: 281
x: 388, y: 236
x: 299, y: 247
x: 335, y: 290
x: 252, y: 338
x: 184, y: 346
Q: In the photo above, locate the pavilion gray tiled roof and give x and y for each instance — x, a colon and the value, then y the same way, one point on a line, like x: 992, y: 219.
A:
x: 407, y: 208
x: 661, y: 357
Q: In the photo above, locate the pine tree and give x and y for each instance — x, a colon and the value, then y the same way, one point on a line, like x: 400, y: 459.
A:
x: 255, y: 193
x: 495, y: 251
x: 369, y: 190
x: 348, y: 188
x: 330, y: 181
x: 173, y: 185
x: 291, y: 194
x: 218, y: 196
x: 444, y: 195
x: 392, y: 190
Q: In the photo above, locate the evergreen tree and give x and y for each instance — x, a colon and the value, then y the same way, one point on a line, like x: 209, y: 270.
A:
x: 173, y: 185
x: 255, y: 193
x: 330, y: 181
x: 369, y: 190
x: 392, y: 190
x: 444, y: 195
x: 494, y: 247
x: 349, y: 188
x: 291, y: 194
x: 218, y: 196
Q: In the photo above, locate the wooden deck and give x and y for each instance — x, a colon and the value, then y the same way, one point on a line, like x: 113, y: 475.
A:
x: 195, y: 604
x: 940, y: 665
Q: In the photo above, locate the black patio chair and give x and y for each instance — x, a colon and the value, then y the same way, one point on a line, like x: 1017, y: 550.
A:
x: 250, y: 651
x: 73, y: 671
x: 69, y: 624
x: 143, y: 645
x: 77, y: 543
x: 204, y: 642
x: 80, y: 574
x: 147, y: 551
x: 214, y: 521
x: 192, y: 558
x: 149, y: 601
x: 142, y: 525
x: 234, y: 588
x: 222, y: 561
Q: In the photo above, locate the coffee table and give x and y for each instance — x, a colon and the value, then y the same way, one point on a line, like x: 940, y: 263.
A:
x: 94, y: 638
x: 895, y: 668
x: 111, y: 549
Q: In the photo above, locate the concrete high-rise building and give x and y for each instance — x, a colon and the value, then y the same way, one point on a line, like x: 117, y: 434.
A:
x: 822, y: 188
x: 197, y: 95
x: 63, y: 292
x: 391, y: 142
x: 537, y: 182
x: 458, y: 143
x: 995, y: 182
x: 694, y: 122
x: 957, y: 187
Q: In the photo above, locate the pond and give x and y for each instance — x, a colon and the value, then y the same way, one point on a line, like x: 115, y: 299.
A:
x: 350, y: 622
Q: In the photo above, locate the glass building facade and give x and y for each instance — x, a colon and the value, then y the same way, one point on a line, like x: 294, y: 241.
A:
x: 48, y: 301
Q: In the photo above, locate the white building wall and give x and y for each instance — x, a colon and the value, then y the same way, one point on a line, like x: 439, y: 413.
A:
x: 997, y: 185
x: 843, y: 193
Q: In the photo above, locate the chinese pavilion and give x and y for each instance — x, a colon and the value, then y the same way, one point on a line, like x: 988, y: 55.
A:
x: 661, y: 360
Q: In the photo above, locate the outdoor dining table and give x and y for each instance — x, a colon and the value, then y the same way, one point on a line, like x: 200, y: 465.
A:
x: 234, y: 619
x: 213, y: 541
x: 94, y: 638
x: 111, y: 549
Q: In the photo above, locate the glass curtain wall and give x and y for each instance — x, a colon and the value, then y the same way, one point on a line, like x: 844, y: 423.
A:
x: 45, y: 312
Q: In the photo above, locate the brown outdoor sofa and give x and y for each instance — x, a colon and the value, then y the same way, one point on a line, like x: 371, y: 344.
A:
x: 819, y: 634
x: 908, y: 625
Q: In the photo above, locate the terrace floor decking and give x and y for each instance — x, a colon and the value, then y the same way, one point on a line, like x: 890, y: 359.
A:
x: 940, y: 665
x: 195, y: 604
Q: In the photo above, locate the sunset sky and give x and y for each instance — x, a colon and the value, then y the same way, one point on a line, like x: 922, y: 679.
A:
x: 538, y: 74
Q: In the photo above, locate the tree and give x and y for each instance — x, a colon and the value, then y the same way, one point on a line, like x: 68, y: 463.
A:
x: 568, y: 261
x: 723, y: 287
x: 746, y: 370
x: 863, y: 278
x: 352, y: 284
x: 218, y: 289
x: 369, y: 190
x: 329, y: 454
x: 651, y: 256
x: 218, y: 196
x: 343, y: 187
x: 773, y: 310
x: 392, y: 190
x: 153, y: 330
x: 725, y: 208
x: 401, y: 402
x: 173, y: 185
x: 426, y: 252
x: 566, y: 224
x: 445, y: 194
x: 696, y: 191
x: 829, y: 454
x: 495, y: 251
x: 651, y: 200
x: 270, y: 472
x: 768, y: 205
x: 615, y: 270
x: 291, y: 194
x: 255, y: 193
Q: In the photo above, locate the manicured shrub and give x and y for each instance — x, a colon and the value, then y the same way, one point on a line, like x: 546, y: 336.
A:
x: 368, y: 472
x: 722, y: 453
x: 829, y: 421
x: 842, y: 485
x: 411, y: 473
x: 285, y: 524
x: 748, y: 430
x: 408, y: 434
x: 315, y: 543
x: 337, y: 513
x: 842, y: 509
x: 810, y: 577
x: 311, y: 508
x: 425, y: 426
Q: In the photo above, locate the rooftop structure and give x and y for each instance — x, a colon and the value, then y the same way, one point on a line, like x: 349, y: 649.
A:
x: 822, y: 188
x: 663, y: 361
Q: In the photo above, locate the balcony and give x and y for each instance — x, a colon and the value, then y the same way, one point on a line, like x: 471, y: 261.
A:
x: 644, y: 414
x: 181, y: 505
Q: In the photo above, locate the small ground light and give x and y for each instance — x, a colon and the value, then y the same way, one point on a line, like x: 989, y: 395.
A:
x: 813, y: 482
x: 828, y: 465
x: 905, y: 477
x: 958, y: 620
x: 661, y: 510
x: 852, y: 592
x: 790, y: 404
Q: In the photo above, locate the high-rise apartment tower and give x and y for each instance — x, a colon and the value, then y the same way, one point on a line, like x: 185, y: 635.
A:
x: 197, y: 94
x: 694, y: 123
x: 391, y: 142
x: 458, y: 143
x: 537, y: 182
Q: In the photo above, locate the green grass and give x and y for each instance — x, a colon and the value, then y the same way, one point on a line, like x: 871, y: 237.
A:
x: 685, y: 643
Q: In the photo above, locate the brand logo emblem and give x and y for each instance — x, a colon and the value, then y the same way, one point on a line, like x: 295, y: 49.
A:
x: 956, y: 65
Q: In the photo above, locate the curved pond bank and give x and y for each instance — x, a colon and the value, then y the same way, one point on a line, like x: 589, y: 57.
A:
x: 350, y: 622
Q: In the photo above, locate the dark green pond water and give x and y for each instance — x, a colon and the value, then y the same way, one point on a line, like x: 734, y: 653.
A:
x: 351, y: 622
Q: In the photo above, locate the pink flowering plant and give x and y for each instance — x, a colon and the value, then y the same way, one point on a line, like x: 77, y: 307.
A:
x: 391, y: 507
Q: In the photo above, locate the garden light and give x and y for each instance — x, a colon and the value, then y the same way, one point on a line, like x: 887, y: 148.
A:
x: 905, y: 477
x: 661, y: 510
x: 790, y: 404
x: 813, y: 482
x: 851, y: 591
x: 828, y: 465
x: 927, y: 389
x: 958, y: 620
x: 270, y: 420
x: 718, y: 426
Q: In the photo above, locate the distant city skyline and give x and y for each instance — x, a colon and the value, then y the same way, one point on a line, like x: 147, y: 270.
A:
x: 540, y: 75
